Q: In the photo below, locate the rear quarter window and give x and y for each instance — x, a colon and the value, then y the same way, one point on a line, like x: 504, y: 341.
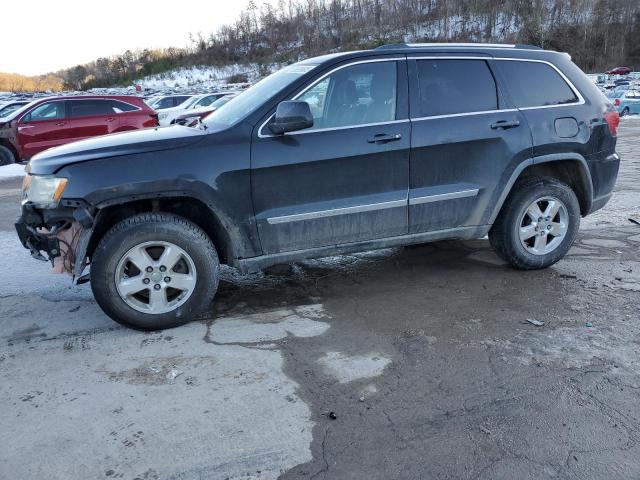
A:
x: 535, y: 84
x: 119, y: 107
x: 449, y: 87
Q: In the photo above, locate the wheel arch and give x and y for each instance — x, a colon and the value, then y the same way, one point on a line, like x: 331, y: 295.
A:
x: 189, y: 207
x: 7, y: 144
x: 570, y: 168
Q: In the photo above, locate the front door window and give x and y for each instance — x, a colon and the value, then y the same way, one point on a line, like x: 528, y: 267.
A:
x: 357, y: 95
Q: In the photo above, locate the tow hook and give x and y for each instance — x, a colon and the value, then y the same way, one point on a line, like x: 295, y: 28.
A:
x: 35, y: 253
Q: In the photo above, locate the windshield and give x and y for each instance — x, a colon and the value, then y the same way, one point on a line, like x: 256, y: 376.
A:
x: 254, y: 97
x: 613, y: 94
x: 222, y: 101
x: 15, y: 113
x: 190, y: 101
x: 4, y: 111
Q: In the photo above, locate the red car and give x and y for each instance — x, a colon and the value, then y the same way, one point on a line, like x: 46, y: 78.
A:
x: 619, y: 71
x: 54, y: 121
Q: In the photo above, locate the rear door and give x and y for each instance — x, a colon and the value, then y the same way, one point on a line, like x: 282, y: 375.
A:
x: 466, y: 140
x: 345, y: 179
x: 554, y: 109
x: 91, y: 117
x: 43, y: 127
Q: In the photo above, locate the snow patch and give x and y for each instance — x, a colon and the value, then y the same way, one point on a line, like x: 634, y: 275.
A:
x: 32, y: 277
x: 346, y: 368
x: 204, y: 76
x: 270, y: 326
x: 11, y: 171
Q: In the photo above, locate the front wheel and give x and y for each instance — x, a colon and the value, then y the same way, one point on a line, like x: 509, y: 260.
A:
x: 153, y: 271
x: 6, y: 156
x: 537, y: 224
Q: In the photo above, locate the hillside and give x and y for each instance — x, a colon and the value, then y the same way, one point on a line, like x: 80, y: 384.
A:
x: 14, y: 82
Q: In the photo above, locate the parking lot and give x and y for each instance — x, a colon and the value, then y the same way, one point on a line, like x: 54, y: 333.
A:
x: 421, y: 362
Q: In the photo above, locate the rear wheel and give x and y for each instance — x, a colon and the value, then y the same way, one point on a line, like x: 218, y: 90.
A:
x: 154, y: 271
x: 537, y: 224
x: 625, y: 112
x: 6, y: 156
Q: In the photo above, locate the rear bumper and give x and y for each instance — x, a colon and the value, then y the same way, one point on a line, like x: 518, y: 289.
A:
x: 604, y: 174
x: 600, y: 202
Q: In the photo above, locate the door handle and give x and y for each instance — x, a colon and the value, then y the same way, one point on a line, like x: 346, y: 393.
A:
x: 384, y: 138
x: 61, y: 124
x: 110, y: 119
x: 504, y: 124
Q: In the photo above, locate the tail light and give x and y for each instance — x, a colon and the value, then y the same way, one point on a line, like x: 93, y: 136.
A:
x: 155, y: 118
x: 616, y: 102
x: 613, y: 119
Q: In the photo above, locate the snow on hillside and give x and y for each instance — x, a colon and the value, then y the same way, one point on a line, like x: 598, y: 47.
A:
x: 203, y: 75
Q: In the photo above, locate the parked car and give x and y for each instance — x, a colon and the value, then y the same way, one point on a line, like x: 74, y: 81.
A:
x: 194, y: 115
x: 54, y: 121
x: 167, y: 116
x: 412, y: 143
x: 11, y: 106
x: 626, y: 102
x: 619, y: 71
x: 168, y: 101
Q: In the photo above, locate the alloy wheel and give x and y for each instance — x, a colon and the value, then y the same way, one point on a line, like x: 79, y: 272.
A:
x: 155, y: 277
x: 543, y: 225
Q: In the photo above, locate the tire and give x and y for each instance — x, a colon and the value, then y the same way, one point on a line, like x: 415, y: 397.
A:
x: 625, y: 112
x: 186, y: 287
x: 515, y: 217
x: 6, y: 156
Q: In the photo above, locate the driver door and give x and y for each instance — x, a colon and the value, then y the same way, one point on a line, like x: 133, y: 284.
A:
x: 346, y: 178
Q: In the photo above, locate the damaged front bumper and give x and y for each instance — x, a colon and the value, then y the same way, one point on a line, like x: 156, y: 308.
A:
x: 60, y: 235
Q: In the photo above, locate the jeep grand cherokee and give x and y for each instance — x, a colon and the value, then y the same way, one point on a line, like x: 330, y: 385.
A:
x: 399, y: 145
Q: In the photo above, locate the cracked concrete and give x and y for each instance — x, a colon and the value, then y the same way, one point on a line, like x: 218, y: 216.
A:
x: 279, y: 378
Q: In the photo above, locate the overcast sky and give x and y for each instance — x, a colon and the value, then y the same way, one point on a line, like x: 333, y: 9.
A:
x: 41, y: 36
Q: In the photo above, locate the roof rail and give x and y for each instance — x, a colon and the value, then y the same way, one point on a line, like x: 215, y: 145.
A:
x: 393, y: 46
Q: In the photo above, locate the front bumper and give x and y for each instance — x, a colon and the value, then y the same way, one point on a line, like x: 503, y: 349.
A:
x: 37, y: 243
x: 40, y: 231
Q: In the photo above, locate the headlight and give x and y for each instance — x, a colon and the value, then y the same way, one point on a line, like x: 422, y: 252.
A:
x: 162, y: 116
x: 43, y: 191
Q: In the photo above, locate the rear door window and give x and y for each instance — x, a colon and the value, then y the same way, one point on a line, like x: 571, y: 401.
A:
x: 179, y: 99
x: 89, y: 108
x: 449, y: 87
x: 535, y: 84
x: 166, y: 102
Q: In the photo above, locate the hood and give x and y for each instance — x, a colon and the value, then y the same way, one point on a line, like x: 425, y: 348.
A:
x: 114, y: 145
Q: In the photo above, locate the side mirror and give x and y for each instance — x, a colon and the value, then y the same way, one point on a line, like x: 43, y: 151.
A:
x: 291, y: 116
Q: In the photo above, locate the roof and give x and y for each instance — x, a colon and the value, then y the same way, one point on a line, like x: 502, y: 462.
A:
x: 485, y: 49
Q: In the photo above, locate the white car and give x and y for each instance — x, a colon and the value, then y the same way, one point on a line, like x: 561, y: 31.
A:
x: 168, y: 101
x: 192, y: 115
x: 167, y: 115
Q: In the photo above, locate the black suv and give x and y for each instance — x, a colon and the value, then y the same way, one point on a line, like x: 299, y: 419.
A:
x: 347, y: 152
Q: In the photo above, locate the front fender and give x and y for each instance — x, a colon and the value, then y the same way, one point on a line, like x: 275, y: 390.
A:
x: 215, y: 172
